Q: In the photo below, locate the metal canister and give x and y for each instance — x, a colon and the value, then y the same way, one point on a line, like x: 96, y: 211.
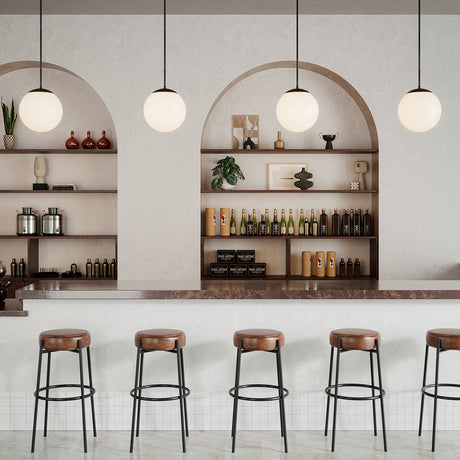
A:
x: 26, y: 222
x: 52, y: 222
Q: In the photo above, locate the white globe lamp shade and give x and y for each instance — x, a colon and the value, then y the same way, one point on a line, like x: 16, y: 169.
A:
x: 164, y: 110
x: 419, y: 110
x: 40, y: 110
x: 297, y: 110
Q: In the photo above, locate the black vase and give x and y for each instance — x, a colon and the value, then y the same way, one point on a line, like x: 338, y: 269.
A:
x: 303, y: 183
x: 249, y: 144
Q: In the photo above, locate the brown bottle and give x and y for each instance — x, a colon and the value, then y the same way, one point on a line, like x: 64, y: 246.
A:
x: 279, y: 143
x: 103, y: 142
x: 367, y: 223
x: 88, y: 143
x: 350, y: 268
x: 71, y: 142
x: 346, y: 224
x: 342, y: 267
x: 323, y: 223
x: 357, y: 222
x: 357, y: 270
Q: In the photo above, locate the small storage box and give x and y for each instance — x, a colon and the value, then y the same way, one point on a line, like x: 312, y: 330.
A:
x: 226, y: 256
x: 246, y: 256
x: 255, y: 270
x: 238, y: 270
x: 218, y: 270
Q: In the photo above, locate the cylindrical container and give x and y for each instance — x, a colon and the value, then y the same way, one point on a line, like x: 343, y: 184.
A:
x: 331, y: 268
x: 105, y: 269
x: 97, y: 269
x: 22, y: 268
x: 14, y: 268
x: 320, y: 256
x: 210, y: 221
x: 52, y: 223
x: 89, y: 268
x: 306, y: 264
x: 26, y: 222
x: 113, y: 269
x: 224, y: 221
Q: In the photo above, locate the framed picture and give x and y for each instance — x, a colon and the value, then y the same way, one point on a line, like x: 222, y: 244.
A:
x: 281, y: 175
x: 244, y: 126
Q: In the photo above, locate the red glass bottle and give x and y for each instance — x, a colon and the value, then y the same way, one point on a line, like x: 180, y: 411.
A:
x: 103, y: 142
x: 71, y: 142
x: 88, y: 143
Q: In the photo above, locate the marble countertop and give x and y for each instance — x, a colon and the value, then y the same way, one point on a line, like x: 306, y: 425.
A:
x: 246, y: 289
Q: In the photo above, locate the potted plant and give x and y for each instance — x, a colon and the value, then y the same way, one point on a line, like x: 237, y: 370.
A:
x: 229, y: 173
x: 9, y: 120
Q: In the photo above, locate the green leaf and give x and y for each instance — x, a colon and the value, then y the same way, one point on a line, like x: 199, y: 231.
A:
x: 217, y: 183
x: 232, y: 179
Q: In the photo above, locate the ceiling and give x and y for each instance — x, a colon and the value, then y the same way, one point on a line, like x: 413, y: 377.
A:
x: 229, y: 7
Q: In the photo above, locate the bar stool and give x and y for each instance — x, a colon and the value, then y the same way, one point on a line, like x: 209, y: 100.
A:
x: 442, y: 340
x: 172, y: 341
x: 73, y: 340
x: 270, y: 341
x: 355, y: 339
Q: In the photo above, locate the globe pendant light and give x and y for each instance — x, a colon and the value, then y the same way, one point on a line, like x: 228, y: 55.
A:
x: 419, y: 110
x: 40, y: 109
x: 297, y: 110
x: 164, y: 109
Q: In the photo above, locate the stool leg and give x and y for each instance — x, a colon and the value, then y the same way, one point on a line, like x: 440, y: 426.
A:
x: 34, y: 429
x: 136, y: 377
x: 48, y: 366
x: 235, y: 399
x: 90, y: 375
x: 281, y: 395
x: 379, y: 370
x: 183, y: 383
x: 331, y: 362
x: 181, y: 395
x: 141, y: 373
x: 371, y: 356
x: 83, y: 414
x: 436, y: 381
x: 423, y: 394
x: 336, y: 385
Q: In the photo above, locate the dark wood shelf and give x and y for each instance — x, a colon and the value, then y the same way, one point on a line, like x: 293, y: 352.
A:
x: 290, y: 277
x: 59, y: 151
x: 296, y: 151
x: 33, y: 279
x: 281, y: 238
x: 59, y: 237
x: 58, y: 191
x: 289, y: 191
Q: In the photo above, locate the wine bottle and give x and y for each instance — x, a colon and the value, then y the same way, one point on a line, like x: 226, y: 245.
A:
x: 276, y: 227
x: 313, y: 224
x: 367, y: 223
x: 290, y: 224
x: 267, y: 222
x: 105, y: 269
x: 262, y: 227
x: 342, y: 267
x: 335, y: 223
x: 254, y: 219
x: 89, y: 268
x: 349, y: 268
x: 250, y: 226
x: 233, y: 224
x: 243, y: 223
x: 301, y: 224
x: 97, y: 268
x: 356, y: 223
x: 283, y: 224
x: 323, y: 223
x: 346, y: 223
x: 357, y: 270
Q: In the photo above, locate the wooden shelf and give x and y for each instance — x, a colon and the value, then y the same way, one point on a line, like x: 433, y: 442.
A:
x: 57, y: 237
x: 59, y: 151
x: 58, y: 191
x: 32, y: 279
x: 290, y: 277
x: 296, y: 151
x: 296, y: 237
x: 289, y: 191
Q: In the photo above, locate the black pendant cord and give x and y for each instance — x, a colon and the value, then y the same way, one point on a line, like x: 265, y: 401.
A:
x: 41, y: 45
x: 297, y: 46
x: 419, y: 35
x: 164, y: 44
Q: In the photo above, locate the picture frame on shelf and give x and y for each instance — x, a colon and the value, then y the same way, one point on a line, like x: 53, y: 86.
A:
x: 244, y: 126
x: 281, y: 175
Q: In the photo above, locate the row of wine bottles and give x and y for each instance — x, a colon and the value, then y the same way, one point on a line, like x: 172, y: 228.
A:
x: 352, y: 223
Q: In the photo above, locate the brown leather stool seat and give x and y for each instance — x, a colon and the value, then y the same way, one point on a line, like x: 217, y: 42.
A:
x: 450, y: 338
x: 354, y: 339
x: 65, y: 339
x: 159, y: 339
x: 258, y: 339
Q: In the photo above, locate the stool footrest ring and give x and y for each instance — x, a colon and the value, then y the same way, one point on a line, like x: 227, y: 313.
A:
x: 65, y: 385
x: 448, y: 385
x: 258, y: 385
x: 158, y: 385
x: 330, y: 391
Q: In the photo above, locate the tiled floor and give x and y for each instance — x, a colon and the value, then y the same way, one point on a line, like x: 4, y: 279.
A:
x: 216, y: 445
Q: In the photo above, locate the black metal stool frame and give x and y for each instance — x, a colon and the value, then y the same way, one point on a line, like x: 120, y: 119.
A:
x: 333, y: 391
x: 49, y: 387
x: 434, y: 395
x: 136, y: 392
x: 282, y: 392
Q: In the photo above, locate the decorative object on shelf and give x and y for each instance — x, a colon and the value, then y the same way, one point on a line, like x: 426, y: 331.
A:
x: 229, y: 173
x: 103, y: 142
x: 328, y: 138
x: 320, y: 264
x: 9, y: 120
x: 88, y: 143
x: 64, y: 187
x: 52, y: 223
x: 224, y: 222
x: 419, y: 110
x: 281, y: 175
x: 331, y: 268
x: 164, y: 109
x: 297, y: 109
x: 40, y: 109
x: 354, y: 185
x: 40, y: 171
x: 210, y: 221
x: 279, y: 143
x: 235, y: 143
x: 26, y: 223
x: 71, y: 142
x: 244, y: 126
x: 361, y: 169
x: 248, y: 144
x: 306, y: 264
x: 303, y: 183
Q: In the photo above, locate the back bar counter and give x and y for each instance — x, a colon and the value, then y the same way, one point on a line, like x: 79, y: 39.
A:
x: 209, y: 312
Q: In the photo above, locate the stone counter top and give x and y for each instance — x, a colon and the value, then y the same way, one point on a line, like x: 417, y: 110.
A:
x: 246, y: 289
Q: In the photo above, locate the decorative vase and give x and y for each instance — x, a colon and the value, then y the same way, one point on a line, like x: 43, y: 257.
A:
x: 235, y: 143
x: 8, y: 140
x: 249, y: 144
x: 103, y: 142
x: 226, y: 185
x: 303, y: 183
x: 71, y: 142
x: 328, y: 138
x: 279, y: 143
x: 88, y: 143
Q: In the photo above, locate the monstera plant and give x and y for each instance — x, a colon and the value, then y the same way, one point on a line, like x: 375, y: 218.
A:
x: 228, y: 173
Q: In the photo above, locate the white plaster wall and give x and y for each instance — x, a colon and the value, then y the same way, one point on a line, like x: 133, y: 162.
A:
x: 159, y: 174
